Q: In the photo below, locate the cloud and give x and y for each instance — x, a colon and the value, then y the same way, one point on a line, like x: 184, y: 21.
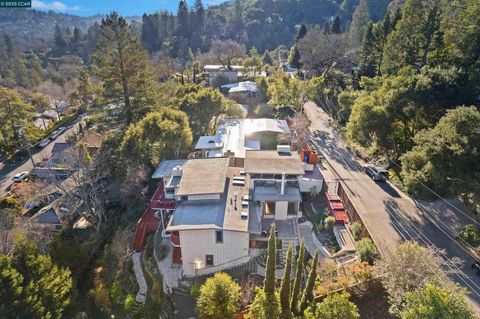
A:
x: 55, y: 6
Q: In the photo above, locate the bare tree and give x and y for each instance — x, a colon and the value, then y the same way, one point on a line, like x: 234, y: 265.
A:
x: 247, y: 285
x: 226, y: 51
x: 319, y: 51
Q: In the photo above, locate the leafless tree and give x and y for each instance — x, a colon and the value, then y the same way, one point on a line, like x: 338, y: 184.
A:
x: 319, y: 51
x: 226, y: 51
x: 247, y: 285
x: 7, y: 224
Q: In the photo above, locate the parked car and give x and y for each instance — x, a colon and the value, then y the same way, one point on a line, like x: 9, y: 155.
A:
x: 54, y: 135
x: 44, y: 143
x: 20, y: 177
x: 476, y: 267
x: 376, y: 173
x: 61, y: 130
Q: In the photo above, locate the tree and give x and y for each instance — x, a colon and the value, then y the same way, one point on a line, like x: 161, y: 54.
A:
x: 14, y: 112
x: 219, y: 298
x: 254, y: 62
x: 159, y: 135
x: 285, y: 91
x: 294, y: 57
x: 368, y: 58
x: 301, y: 33
x: 182, y: 23
x: 307, y: 295
x: 435, y: 302
x: 337, y: 25
x: 270, y: 278
x: 123, y: 66
x: 445, y: 158
x: 285, y: 286
x: 202, y: 105
x: 333, y: 307
x: 263, y: 307
x: 360, y: 20
x: 409, y: 268
x: 470, y: 234
x: 84, y: 89
x: 299, y: 268
x: 60, y: 42
x: 356, y: 228
x: 226, y: 51
x: 366, y: 250
x: 11, y: 288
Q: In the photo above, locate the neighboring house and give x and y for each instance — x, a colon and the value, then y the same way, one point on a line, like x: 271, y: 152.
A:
x: 66, y: 154
x: 42, y: 123
x: 49, y: 218
x: 241, y: 92
x: 234, y: 137
x: 224, y: 207
x: 219, y: 74
x: 51, y: 115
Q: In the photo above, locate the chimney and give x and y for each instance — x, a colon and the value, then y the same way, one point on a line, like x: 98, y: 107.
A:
x: 282, y: 185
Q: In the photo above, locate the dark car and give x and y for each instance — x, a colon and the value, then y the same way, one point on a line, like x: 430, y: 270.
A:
x: 476, y: 267
x: 377, y: 174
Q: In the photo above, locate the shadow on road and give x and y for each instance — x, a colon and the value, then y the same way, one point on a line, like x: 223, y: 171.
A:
x: 387, y: 188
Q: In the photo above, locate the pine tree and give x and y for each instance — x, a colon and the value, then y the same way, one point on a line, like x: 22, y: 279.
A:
x: 123, y: 65
x: 59, y: 41
x: 360, y: 20
x: 285, y: 286
x: 337, y: 25
x: 308, y: 291
x: 368, y: 53
x: 294, y: 57
x: 298, y: 278
x: 270, y: 280
x: 85, y: 90
x: 36, y: 70
x: 301, y: 32
x: 182, y: 25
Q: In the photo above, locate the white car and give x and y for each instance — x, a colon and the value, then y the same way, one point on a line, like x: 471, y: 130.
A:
x: 61, y: 130
x: 20, y: 177
x: 54, y: 135
x: 44, y: 143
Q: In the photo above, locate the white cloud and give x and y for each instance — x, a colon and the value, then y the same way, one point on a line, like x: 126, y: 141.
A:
x: 55, y: 6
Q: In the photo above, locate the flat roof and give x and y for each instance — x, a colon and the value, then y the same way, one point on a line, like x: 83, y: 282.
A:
x: 273, y: 162
x: 272, y: 193
x: 203, y: 176
x: 221, y: 67
x: 234, y: 135
x: 224, y: 213
x: 245, y: 86
x: 164, y: 169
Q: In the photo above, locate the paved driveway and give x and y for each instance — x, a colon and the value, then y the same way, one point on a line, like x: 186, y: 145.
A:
x: 389, y: 215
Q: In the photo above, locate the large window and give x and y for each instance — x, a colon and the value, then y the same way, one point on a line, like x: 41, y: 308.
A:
x: 219, y: 236
x: 209, y: 260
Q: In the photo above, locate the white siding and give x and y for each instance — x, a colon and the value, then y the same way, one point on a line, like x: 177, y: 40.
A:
x: 196, y: 244
x: 306, y: 184
x: 281, y: 210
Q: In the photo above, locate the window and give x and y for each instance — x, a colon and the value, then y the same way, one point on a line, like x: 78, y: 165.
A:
x: 219, y: 236
x: 209, y: 260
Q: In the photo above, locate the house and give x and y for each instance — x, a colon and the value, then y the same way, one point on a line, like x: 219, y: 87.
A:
x: 223, y: 209
x: 219, y: 74
x: 235, y: 136
x: 241, y: 92
x: 50, y: 218
x: 209, y: 228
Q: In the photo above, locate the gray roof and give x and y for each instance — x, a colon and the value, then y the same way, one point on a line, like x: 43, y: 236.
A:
x: 203, y: 176
x: 198, y: 213
x: 273, y: 162
x: 164, y: 169
x: 59, y: 148
x: 47, y: 216
x: 272, y: 193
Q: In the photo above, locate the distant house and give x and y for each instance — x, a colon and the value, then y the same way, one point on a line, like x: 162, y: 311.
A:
x: 241, y: 92
x: 50, y: 114
x: 42, y: 123
x: 235, y: 136
x: 66, y: 154
x: 219, y: 74
x: 49, y: 218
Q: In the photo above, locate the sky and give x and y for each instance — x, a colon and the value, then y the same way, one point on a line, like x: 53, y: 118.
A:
x: 124, y: 7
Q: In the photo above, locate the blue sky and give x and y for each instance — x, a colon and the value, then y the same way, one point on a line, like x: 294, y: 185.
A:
x: 124, y: 7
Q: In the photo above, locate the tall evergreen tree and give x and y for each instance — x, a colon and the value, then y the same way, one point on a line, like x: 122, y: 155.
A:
x: 123, y: 66
x: 301, y: 32
x: 336, y: 25
x: 270, y: 279
x: 285, y: 286
x: 298, y: 278
x: 360, y: 20
x: 85, y: 90
x: 182, y: 25
x: 368, y: 53
x: 59, y: 41
x: 308, y: 291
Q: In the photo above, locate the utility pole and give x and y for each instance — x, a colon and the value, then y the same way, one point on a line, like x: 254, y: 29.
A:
x: 21, y: 132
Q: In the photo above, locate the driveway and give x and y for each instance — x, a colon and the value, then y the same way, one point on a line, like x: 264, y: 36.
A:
x: 389, y: 215
x: 7, y: 171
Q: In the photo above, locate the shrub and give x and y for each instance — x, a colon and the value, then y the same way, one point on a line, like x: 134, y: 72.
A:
x: 195, y: 291
x: 469, y: 233
x: 356, y: 228
x: 329, y: 223
x: 219, y: 298
x: 366, y: 250
x: 129, y: 302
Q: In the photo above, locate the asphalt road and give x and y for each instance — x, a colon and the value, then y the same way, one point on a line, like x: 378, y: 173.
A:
x: 7, y: 171
x: 389, y: 215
